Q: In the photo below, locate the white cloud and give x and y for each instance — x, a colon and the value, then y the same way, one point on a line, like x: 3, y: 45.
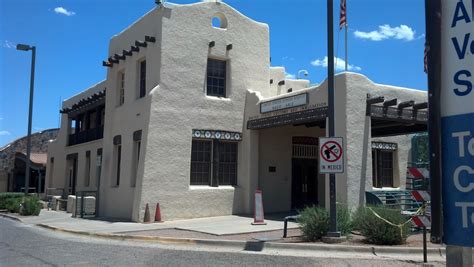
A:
x: 3, y: 133
x: 62, y: 10
x: 289, y: 75
x: 8, y: 44
x: 402, y: 32
x: 339, y: 64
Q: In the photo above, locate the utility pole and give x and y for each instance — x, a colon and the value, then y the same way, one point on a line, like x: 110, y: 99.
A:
x: 24, y: 47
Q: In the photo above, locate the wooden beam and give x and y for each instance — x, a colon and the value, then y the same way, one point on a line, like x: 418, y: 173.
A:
x: 150, y: 39
x: 119, y: 57
x: 107, y: 64
x: 140, y: 43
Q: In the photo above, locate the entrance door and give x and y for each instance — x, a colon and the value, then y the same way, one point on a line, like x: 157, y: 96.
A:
x: 72, y: 173
x: 304, y: 183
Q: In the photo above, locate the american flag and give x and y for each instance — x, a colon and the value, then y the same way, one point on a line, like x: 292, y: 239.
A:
x: 425, y: 59
x: 342, y: 15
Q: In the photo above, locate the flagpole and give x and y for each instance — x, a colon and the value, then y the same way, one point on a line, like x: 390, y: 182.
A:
x: 345, y: 36
x: 345, y: 45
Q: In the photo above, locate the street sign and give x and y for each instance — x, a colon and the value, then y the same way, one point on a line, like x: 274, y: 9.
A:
x: 457, y: 121
x: 331, y: 155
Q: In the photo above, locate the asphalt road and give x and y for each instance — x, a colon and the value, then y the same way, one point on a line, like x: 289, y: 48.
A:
x: 22, y: 245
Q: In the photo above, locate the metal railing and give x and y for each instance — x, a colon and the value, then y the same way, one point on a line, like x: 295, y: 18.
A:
x: 85, y: 204
x: 86, y: 136
x: 397, y: 199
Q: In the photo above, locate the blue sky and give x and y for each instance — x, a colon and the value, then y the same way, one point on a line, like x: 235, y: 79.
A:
x: 385, y: 43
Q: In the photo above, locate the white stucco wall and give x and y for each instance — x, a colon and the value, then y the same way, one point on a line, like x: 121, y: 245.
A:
x: 181, y: 105
x: 57, y: 175
x: 133, y: 115
x: 358, y: 86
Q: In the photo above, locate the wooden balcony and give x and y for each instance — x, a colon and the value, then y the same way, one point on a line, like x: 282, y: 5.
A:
x: 86, y: 136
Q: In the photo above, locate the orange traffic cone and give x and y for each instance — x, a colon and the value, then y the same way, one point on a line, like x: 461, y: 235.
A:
x: 146, y: 218
x: 158, y: 213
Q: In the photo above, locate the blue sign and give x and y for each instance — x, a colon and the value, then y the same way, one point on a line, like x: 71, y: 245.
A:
x: 457, y: 122
x: 458, y: 179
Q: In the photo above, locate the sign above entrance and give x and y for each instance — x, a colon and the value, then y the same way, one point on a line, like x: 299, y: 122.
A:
x: 331, y: 153
x: 284, y: 103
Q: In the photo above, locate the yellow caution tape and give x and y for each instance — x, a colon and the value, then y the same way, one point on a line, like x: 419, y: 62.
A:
x: 421, y: 210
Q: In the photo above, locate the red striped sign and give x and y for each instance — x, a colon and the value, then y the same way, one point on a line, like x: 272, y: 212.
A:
x: 421, y: 221
x: 418, y: 173
x: 421, y: 196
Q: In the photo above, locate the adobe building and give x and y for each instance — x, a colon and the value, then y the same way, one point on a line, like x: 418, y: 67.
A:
x: 13, y: 162
x: 192, y: 116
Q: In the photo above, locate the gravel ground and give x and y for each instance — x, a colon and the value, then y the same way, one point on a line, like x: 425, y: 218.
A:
x: 294, y: 236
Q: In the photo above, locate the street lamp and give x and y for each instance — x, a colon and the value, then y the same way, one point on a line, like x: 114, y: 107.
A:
x: 24, y: 47
x: 304, y: 72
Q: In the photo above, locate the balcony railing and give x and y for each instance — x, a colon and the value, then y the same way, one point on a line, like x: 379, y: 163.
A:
x: 86, y: 136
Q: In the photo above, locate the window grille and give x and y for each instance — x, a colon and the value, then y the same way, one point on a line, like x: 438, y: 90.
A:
x: 382, y: 168
x: 142, y: 78
x: 305, y: 151
x: 213, y: 163
x: 216, y: 77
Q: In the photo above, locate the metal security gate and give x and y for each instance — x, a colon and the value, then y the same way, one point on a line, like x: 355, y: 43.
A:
x: 305, y: 151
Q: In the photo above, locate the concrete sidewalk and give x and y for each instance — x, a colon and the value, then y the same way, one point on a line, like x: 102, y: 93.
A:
x: 231, y: 232
x: 222, y: 225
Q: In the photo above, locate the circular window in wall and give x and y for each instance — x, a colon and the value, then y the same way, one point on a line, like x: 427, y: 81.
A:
x: 219, y: 21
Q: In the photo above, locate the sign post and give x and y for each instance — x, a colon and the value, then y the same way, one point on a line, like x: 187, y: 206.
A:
x: 422, y: 220
x: 333, y: 232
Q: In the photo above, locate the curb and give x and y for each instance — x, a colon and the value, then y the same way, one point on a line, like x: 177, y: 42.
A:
x: 164, y: 240
x: 240, y: 244
x: 11, y: 217
x: 375, y: 250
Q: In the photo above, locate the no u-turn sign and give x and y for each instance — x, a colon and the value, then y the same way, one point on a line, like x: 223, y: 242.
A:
x: 331, y: 155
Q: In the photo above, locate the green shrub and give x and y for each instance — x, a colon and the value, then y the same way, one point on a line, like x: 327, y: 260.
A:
x: 377, y: 231
x: 13, y: 204
x: 5, y: 196
x: 31, y: 206
x: 358, y: 217
x: 314, y: 223
x: 344, y: 222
